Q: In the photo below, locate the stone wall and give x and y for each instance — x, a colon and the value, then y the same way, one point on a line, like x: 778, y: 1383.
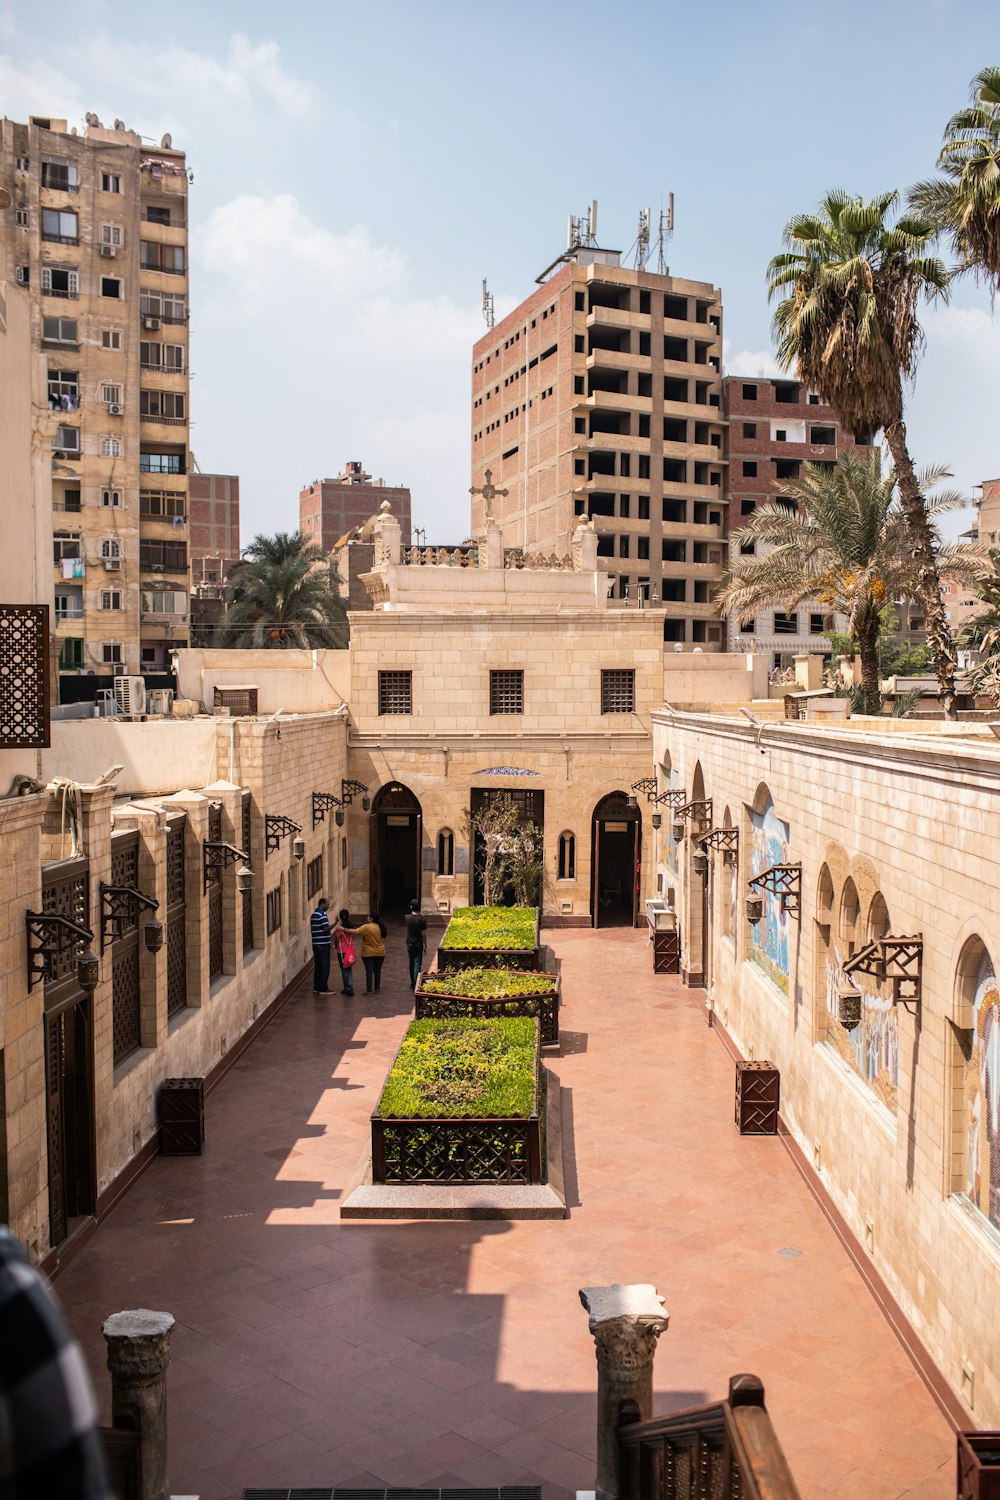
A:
x: 897, y: 1113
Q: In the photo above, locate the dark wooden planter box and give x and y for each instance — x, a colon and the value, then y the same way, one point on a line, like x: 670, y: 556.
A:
x: 978, y: 1466
x: 492, y: 958
x: 758, y: 1095
x: 666, y: 953
x: 461, y: 1150
x: 545, y: 1008
x: 182, y: 1117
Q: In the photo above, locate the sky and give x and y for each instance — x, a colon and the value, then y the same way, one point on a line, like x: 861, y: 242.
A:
x: 360, y: 167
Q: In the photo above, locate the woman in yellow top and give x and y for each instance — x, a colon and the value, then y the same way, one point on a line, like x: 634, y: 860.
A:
x: 372, y: 934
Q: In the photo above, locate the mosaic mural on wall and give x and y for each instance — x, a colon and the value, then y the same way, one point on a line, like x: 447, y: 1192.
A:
x: 769, y: 936
x: 982, y: 1097
x: 731, y: 876
x: 871, y: 1047
x: 668, y: 819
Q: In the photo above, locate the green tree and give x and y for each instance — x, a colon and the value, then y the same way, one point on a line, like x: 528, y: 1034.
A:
x: 284, y: 595
x: 847, y: 545
x: 964, y: 203
x: 848, y: 286
x: 982, y: 632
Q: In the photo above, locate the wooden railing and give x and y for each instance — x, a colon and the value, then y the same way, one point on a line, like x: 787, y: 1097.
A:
x: 725, y: 1451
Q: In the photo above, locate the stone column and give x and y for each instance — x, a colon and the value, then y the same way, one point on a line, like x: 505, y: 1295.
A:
x: 138, y: 1356
x: 626, y: 1322
x: 494, y: 544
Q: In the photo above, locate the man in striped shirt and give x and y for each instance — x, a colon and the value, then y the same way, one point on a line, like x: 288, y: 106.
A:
x: 319, y: 927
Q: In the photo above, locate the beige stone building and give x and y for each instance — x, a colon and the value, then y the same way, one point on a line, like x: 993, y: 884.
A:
x: 95, y: 233
x: 960, y: 602
x: 600, y: 395
x: 890, y: 1087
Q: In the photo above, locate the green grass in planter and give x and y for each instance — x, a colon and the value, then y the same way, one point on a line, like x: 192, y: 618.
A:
x: 488, y: 984
x: 464, y: 1069
x: 492, y: 928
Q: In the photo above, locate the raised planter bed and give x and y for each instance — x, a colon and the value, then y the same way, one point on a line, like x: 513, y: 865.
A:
x: 493, y: 937
x: 434, y: 1124
x: 445, y: 995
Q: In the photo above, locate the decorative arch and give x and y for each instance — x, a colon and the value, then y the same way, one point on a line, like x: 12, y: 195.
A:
x: 567, y: 856
x: 979, y: 1001
x: 878, y: 924
x: 394, y: 848
x: 616, y: 852
x: 446, y: 852
x: 848, y: 918
x: 761, y: 798
x: 729, y: 875
x: 697, y: 792
x: 825, y: 898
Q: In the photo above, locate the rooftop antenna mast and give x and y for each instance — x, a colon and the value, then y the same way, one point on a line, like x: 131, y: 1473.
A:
x: 664, y: 236
x: 583, y: 230
x: 488, y: 313
x: 641, y: 246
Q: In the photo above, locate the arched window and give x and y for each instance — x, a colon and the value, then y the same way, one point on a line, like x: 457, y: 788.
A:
x: 567, y: 856
x: 850, y: 908
x: 979, y: 997
x: 446, y: 852
x: 878, y: 918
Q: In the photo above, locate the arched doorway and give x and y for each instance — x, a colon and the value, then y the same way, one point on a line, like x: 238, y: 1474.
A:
x: 395, y: 848
x: 615, y: 862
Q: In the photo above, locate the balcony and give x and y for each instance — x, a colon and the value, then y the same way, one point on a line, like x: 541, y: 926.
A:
x: 62, y: 615
x: 148, y: 416
x: 618, y: 317
x: 611, y: 359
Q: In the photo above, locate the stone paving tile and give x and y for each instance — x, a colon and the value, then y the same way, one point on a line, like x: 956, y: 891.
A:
x: 314, y: 1352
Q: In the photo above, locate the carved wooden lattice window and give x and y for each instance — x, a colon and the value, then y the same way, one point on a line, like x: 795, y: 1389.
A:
x: 125, y: 1008
x: 24, y: 677
x: 176, y: 925
x: 507, y: 692
x: 66, y: 890
x: 215, y: 932
x: 618, y: 691
x: 246, y: 896
x: 395, y: 695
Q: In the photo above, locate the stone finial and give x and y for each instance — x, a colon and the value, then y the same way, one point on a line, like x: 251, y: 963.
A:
x: 385, y: 508
x: 583, y: 546
x: 626, y: 1322
x: 138, y: 1355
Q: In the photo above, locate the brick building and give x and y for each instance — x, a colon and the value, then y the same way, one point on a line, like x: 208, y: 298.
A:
x: 960, y: 602
x: 213, y: 525
x: 774, y: 428
x: 600, y: 395
x: 330, y: 508
x: 95, y: 233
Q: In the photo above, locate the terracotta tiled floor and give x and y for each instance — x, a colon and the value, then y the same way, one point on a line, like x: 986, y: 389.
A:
x: 313, y: 1352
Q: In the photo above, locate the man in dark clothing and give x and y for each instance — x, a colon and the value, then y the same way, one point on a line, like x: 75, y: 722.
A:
x: 49, y: 1444
x: 416, y: 941
x: 319, y: 927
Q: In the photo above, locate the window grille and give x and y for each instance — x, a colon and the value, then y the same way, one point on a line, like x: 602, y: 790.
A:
x: 618, y: 691
x: 567, y: 856
x: 394, y: 692
x: 314, y: 876
x: 273, y: 910
x: 507, y: 692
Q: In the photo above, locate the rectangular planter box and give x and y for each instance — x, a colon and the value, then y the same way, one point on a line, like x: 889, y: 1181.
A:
x: 978, y: 1466
x: 545, y: 1008
x: 666, y: 953
x: 758, y: 1095
x: 462, y: 1150
x: 492, y: 958
x: 182, y: 1117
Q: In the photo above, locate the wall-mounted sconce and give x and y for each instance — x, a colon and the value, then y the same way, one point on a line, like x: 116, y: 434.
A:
x: 656, y: 819
x: 699, y: 862
x: 120, y: 906
x: 324, y: 802
x: 755, y: 909
x: 88, y: 970
x: 244, y: 878
x: 152, y: 935
x: 299, y: 848
x: 350, y: 789
x: 276, y: 828
x: 217, y: 856
x: 783, y: 881
x: 50, y: 935
x: 896, y: 959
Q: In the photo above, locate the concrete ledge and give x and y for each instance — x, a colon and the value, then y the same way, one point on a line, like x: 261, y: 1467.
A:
x: 368, y: 1200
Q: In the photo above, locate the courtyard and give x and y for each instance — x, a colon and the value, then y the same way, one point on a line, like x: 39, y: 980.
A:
x: 313, y: 1352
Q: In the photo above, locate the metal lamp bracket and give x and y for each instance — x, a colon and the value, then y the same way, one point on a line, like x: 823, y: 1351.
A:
x: 896, y: 959
x: 49, y: 935
x: 322, y: 803
x: 276, y: 828
x: 121, y: 904
x: 783, y: 881
x: 217, y: 856
x: 724, y: 840
x: 349, y: 789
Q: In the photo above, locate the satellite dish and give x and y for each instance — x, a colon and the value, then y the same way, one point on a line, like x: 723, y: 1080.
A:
x: 91, y: 118
x: 678, y: 645
x: 119, y: 124
x: 167, y: 142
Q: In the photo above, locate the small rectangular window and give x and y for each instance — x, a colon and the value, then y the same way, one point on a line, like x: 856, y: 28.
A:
x: 111, y: 599
x: 110, y: 338
x: 623, y: 546
x: 60, y: 226
x: 273, y: 905
x: 59, y: 330
x: 618, y: 690
x: 506, y: 691
x: 111, y: 286
x: 749, y: 393
x: 643, y: 507
x: 785, y: 624
x: 111, y: 499
x: 111, y: 447
x: 110, y: 182
x: 749, y: 429
x: 21, y: 218
x: 816, y: 625
x: 314, y: 876
x: 111, y: 395
x: 395, y: 695
x: 111, y: 234
x: 750, y: 468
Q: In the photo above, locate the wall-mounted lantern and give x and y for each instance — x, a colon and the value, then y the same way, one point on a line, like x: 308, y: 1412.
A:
x: 216, y: 856
x: 244, y: 878
x: 152, y: 935
x: 783, y: 881
x: 896, y: 959
x: 324, y: 802
x: 276, y: 828
x: 88, y: 970
x: 699, y: 862
x: 50, y: 935
x: 755, y: 909
x: 299, y: 848
x: 120, y: 906
x: 350, y: 789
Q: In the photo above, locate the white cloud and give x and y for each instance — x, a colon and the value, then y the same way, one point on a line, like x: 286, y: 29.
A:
x: 968, y: 330
x: 750, y: 362
x: 36, y: 88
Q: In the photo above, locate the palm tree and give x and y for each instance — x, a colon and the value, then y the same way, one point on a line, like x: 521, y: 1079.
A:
x: 847, y: 545
x: 849, y: 284
x: 281, y: 597
x: 965, y: 202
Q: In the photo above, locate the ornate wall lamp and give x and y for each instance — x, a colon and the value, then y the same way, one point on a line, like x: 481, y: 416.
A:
x: 50, y: 934
x: 121, y: 905
x: 725, y: 840
x: 896, y: 959
x: 276, y: 828
x: 217, y: 856
x: 783, y: 881
x: 699, y: 811
x: 324, y: 802
x: 673, y: 796
x: 350, y: 789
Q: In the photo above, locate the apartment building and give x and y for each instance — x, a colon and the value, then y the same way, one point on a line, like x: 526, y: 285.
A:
x: 600, y: 395
x: 330, y: 508
x: 959, y: 600
x: 93, y: 228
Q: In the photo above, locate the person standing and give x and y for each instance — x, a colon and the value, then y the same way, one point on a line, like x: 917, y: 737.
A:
x: 346, y: 955
x: 372, y: 935
x: 319, y: 928
x: 416, y: 941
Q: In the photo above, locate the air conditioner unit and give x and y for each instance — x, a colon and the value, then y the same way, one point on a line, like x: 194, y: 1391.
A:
x: 160, y: 701
x: 130, y: 697
x: 110, y: 250
x: 112, y: 564
x: 115, y: 409
x: 151, y: 323
x: 157, y: 567
x: 119, y: 669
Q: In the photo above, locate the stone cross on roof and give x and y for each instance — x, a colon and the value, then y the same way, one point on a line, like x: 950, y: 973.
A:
x: 488, y: 491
